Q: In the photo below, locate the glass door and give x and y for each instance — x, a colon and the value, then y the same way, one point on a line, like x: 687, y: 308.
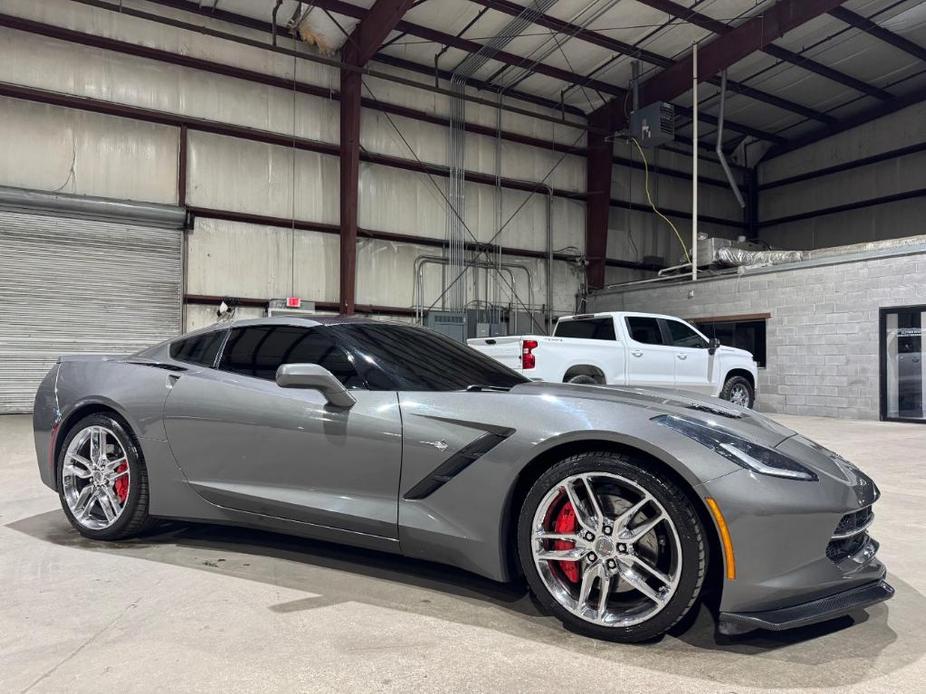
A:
x: 903, y: 369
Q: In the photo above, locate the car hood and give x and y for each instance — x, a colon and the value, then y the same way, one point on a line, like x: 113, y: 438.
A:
x: 712, y: 411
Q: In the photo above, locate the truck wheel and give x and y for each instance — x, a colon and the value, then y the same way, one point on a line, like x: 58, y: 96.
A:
x: 583, y: 379
x: 739, y: 391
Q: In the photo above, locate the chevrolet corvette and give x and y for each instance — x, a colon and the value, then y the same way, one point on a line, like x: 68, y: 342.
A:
x: 620, y: 507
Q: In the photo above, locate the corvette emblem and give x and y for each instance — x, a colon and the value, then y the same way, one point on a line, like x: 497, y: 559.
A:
x: 439, y: 445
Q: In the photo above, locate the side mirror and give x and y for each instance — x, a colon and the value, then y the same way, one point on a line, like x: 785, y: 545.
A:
x: 713, y: 345
x: 317, y: 378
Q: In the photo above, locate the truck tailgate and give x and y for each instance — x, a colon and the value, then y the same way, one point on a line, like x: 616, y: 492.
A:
x: 506, y: 350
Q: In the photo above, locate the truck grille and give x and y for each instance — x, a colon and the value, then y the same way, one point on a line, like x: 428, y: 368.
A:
x: 850, y: 534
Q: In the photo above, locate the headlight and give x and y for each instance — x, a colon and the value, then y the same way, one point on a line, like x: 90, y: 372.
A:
x: 752, y: 456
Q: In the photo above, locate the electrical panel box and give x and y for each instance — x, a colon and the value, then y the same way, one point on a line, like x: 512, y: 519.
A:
x: 449, y: 323
x: 653, y: 125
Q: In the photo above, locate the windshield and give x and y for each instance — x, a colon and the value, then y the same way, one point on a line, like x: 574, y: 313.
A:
x: 413, y: 358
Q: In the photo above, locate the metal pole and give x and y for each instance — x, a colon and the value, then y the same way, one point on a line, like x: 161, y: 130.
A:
x: 694, y: 164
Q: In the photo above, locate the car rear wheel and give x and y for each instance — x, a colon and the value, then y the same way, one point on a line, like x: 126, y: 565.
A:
x: 739, y: 391
x: 610, y: 549
x: 102, y: 481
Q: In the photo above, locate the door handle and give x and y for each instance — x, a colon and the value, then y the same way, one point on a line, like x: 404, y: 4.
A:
x: 682, y: 356
x: 637, y: 353
x: 172, y: 380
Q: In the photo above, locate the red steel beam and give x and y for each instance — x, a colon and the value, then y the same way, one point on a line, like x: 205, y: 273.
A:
x: 373, y: 29
x: 752, y: 35
x: 361, y: 45
x: 674, y: 9
x: 429, y: 34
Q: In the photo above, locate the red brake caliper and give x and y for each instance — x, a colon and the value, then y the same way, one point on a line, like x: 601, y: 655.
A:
x: 566, y: 523
x: 121, y: 485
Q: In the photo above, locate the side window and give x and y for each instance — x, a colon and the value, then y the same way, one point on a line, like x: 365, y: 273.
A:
x: 683, y: 336
x: 200, y: 349
x: 587, y: 328
x: 259, y: 350
x: 644, y: 330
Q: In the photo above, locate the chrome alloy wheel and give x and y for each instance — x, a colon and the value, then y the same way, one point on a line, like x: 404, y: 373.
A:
x: 739, y: 395
x: 95, y: 477
x: 620, y: 563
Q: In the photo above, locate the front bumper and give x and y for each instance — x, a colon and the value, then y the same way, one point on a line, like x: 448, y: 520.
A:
x: 819, y: 610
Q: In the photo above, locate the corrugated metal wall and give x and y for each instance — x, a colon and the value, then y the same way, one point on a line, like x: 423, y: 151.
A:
x: 72, y: 285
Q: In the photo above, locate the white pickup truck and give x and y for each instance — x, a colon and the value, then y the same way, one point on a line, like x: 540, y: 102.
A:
x: 629, y: 349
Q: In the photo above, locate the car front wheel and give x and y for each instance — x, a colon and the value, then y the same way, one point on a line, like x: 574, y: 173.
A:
x: 612, y: 550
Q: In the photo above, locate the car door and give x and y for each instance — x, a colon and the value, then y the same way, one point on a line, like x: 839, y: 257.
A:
x: 247, y: 444
x: 650, y: 361
x: 692, y: 360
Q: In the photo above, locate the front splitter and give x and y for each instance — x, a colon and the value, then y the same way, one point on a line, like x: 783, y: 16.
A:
x: 820, y: 610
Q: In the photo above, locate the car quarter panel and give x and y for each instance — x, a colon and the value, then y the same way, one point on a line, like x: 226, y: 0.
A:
x: 135, y: 391
x: 466, y: 520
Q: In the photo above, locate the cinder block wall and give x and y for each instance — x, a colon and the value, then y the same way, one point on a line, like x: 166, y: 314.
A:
x: 822, y: 339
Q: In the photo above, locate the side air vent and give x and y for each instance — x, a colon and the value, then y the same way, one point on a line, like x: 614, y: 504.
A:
x: 456, y: 463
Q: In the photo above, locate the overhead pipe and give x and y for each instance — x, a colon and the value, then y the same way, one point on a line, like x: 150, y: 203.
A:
x: 718, y: 148
x: 273, y: 21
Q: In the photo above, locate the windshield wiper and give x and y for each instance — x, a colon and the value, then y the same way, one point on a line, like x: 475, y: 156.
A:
x: 477, y: 388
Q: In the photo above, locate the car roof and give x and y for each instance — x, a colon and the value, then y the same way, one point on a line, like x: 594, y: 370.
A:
x: 305, y: 321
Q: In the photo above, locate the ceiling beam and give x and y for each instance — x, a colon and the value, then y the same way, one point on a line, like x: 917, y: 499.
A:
x: 879, y: 32
x: 752, y: 35
x: 622, y: 48
x: 878, y: 111
x: 674, y: 9
x: 367, y: 37
x: 439, y: 37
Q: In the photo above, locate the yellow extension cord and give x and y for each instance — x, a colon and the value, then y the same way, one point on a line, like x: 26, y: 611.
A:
x: 652, y: 204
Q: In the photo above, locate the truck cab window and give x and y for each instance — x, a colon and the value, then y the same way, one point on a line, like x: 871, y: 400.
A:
x: 587, y: 328
x: 644, y: 330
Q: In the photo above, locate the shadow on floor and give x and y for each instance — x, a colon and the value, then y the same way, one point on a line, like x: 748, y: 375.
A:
x: 829, y: 654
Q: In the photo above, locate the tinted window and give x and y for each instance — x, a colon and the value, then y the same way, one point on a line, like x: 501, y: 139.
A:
x: 259, y: 350
x: 411, y: 358
x: 589, y: 329
x: 200, y: 349
x: 683, y: 336
x: 644, y: 330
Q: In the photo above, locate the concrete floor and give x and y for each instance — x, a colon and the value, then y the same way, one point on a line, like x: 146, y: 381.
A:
x: 198, y: 608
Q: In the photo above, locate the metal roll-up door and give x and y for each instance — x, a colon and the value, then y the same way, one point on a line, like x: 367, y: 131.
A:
x: 78, y: 285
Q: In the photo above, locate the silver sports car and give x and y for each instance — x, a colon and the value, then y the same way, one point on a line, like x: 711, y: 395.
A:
x: 620, y: 506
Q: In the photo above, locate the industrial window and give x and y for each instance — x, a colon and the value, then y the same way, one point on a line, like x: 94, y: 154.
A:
x: 259, y: 350
x: 587, y: 329
x: 744, y: 334
x: 200, y: 349
x: 644, y: 330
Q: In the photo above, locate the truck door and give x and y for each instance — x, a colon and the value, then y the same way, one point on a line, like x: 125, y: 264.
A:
x: 650, y: 360
x: 692, y: 361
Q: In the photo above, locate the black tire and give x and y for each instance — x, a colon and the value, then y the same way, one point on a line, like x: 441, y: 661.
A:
x: 683, y: 515
x: 584, y: 379
x: 735, y: 383
x: 134, y: 517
